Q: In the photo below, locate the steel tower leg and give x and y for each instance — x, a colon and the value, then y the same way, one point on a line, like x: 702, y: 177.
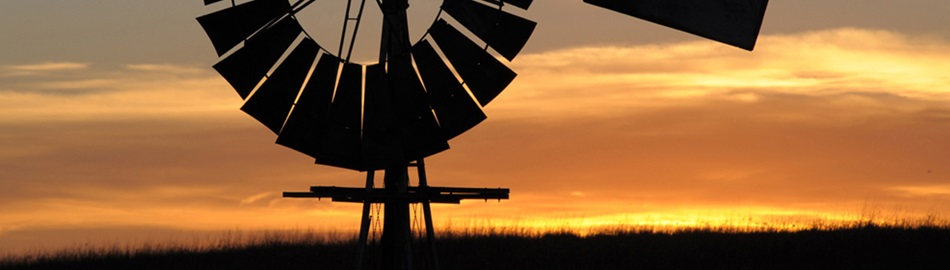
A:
x: 427, y: 212
x: 396, y: 253
x: 365, y: 222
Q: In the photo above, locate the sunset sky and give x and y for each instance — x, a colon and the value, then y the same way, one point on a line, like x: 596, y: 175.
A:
x: 114, y: 127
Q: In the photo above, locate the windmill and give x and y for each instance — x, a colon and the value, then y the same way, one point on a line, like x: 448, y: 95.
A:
x: 393, y: 114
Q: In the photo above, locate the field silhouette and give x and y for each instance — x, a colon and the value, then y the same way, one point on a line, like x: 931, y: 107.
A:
x: 866, y: 246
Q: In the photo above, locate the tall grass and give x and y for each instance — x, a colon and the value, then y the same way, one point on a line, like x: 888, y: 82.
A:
x: 222, y: 242
x: 288, y: 248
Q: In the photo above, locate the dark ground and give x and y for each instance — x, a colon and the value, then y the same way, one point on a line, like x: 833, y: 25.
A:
x: 857, y: 248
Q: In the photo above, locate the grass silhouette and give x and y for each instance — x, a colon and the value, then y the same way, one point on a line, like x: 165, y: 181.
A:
x: 858, y: 246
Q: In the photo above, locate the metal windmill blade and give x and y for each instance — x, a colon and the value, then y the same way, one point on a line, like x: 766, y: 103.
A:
x: 734, y: 22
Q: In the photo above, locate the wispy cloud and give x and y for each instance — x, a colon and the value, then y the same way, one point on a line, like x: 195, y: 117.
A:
x: 83, y: 84
x: 49, y: 66
x: 133, y: 91
x: 41, y: 68
x: 818, y: 63
x: 258, y: 198
x: 938, y: 190
x: 167, y: 68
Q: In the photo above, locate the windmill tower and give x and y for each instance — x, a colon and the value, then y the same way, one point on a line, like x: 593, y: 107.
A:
x: 393, y: 114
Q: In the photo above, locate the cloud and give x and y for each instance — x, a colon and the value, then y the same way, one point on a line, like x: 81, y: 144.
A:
x: 49, y: 66
x: 940, y: 190
x: 138, y: 91
x: 819, y: 118
x: 574, y: 81
x: 41, y: 68
x: 77, y: 84
x: 809, y: 124
x: 166, y: 68
x: 264, y: 197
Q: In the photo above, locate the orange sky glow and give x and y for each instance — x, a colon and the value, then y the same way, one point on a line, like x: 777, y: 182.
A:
x: 813, y: 127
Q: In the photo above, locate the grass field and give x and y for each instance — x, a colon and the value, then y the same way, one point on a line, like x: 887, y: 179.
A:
x: 862, y: 246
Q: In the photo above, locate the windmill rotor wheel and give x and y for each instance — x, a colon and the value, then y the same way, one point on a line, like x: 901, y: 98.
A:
x: 366, y: 117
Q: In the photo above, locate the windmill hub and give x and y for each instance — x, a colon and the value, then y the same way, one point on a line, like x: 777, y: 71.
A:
x: 392, y: 6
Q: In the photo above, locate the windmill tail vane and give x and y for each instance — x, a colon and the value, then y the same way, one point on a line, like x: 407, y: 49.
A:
x: 393, y: 114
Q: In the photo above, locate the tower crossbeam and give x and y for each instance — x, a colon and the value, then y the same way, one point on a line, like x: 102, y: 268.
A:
x: 452, y: 195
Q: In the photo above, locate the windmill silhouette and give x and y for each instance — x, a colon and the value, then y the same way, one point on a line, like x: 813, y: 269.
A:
x: 392, y: 114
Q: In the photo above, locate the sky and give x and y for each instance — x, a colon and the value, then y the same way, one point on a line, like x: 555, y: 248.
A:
x: 114, y: 128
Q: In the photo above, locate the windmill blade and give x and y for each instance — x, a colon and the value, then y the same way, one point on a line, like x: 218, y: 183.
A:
x: 228, y: 27
x: 504, y: 32
x: 382, y: 143
x: 456, y: 110
x: 421, y: 134
x: 734, y: 22
x: 484, y: 75
x: 271, y: 103
x: 340, y: 143
x: 308, y: 120
x: 245, y: 68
